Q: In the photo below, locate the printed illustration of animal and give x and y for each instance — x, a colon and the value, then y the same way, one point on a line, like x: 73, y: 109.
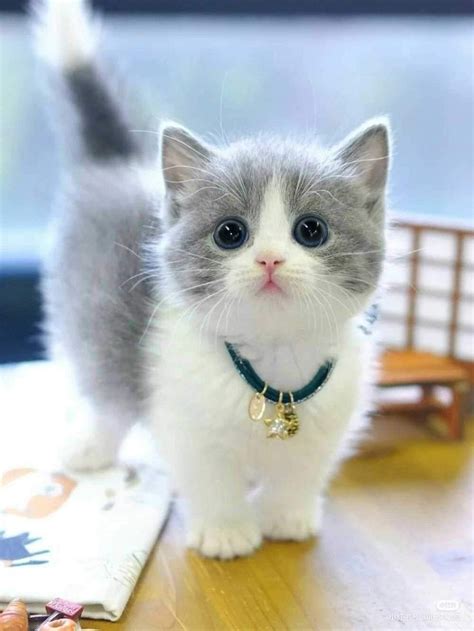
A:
x: 14, y: 551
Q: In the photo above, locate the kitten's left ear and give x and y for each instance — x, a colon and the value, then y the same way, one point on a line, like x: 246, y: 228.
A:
x: 184, y: 157
x: 365, y: 153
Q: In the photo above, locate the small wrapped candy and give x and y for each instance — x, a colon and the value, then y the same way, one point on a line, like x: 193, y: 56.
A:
x: 60, y: 624
x: 14, y: 618
x: 64, y: 615
x: 65, y: 607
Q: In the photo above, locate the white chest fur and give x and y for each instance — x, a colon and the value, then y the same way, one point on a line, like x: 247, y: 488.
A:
x: 199, y: 397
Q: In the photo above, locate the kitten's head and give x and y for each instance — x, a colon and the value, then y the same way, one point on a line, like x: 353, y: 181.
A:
x: 273, y: 238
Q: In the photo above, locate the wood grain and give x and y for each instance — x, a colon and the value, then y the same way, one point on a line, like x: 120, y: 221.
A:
x: 396, y: 546
x: 400, y: 368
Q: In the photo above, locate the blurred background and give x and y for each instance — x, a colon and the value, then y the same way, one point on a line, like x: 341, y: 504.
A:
x: 233, y: 68
x: 397, y: 549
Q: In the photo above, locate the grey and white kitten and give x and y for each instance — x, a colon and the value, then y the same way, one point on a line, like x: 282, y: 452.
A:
x: 273, y: 245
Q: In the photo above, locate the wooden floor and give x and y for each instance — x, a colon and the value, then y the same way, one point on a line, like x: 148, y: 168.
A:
x: 395, y: 553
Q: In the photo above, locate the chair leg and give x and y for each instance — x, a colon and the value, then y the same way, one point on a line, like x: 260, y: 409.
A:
x: 454, y: 412
x: 427, y: 395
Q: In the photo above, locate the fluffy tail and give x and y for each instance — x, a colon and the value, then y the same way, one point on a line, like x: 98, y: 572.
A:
x: 67, y: 40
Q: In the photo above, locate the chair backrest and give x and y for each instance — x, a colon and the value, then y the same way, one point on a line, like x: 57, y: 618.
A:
x: 428, y: 303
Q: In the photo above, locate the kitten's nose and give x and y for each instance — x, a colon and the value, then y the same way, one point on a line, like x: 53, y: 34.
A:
x: 269, y: 262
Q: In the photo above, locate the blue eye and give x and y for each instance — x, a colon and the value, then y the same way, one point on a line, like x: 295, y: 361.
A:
x: 310, y: 231
x: 230, y: 234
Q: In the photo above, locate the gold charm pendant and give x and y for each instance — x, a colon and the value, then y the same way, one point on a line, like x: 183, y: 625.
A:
x: 286, y: 422
x: 291, y: 417
x: 278, y: 426
x: 257, y: 405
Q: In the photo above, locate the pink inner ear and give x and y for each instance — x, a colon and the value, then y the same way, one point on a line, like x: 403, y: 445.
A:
x: 365, y: 153
x: 183, y: 157
x: 373, y: 163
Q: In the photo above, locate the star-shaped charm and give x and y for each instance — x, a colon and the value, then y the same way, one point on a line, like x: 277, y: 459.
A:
x: 277, y: 428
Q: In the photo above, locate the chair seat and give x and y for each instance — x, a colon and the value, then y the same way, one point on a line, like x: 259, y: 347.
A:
x: 410, y: 367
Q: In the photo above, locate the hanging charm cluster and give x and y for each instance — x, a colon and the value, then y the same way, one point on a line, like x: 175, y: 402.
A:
x: 284, y: 424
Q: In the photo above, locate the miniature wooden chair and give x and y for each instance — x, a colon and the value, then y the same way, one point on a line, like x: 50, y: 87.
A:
x: 428, y: 371
x: 410, y: 361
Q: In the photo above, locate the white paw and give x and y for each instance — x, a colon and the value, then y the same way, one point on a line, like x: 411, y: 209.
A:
x: 291, y: 525
x: 85, y: 454
x: 224, y: 541
x: 86, y: 447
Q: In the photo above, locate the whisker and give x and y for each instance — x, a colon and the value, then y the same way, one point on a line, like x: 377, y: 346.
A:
x: 323, y: 278
x: 346, y: 164
x: 397, y: 257
x: 359, y: 253
x: 226, y: 184
x: 141, y: 280
x: 185, y: 144
x: 221, y: 107
x: 228, y: 314
x: 171, y: 295
x: 189, y: 311
x: 333, y: 333
x: 134, y: 276
x: 207, y: 318
x: 199, y: 256
x: 125, y: 247
x: 350, y: 298
x: 204, y: 188
x: 144, y: 131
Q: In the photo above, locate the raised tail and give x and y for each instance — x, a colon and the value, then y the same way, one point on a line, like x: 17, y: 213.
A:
x: 67, y: 36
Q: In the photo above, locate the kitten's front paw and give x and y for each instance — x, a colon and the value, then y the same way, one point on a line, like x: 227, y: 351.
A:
x: 87, y: 449
x: 224, y: 541
x: 291, y: 525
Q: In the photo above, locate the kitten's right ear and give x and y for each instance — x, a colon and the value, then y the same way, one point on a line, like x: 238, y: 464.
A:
x: 365, y: 153
x: 183, y: 158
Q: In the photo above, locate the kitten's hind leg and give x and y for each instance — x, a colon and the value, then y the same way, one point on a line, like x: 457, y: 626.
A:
x: 92, y: 436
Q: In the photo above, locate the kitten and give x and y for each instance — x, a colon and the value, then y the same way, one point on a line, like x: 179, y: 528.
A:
x: 271, y: 245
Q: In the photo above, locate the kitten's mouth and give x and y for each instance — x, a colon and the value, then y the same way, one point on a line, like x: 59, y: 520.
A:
x: 270, y: 286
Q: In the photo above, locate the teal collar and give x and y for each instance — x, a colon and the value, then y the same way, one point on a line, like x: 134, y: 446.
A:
x: 247, y: 372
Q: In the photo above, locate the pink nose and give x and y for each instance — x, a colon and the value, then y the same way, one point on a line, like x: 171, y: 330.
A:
x: 269, y: 262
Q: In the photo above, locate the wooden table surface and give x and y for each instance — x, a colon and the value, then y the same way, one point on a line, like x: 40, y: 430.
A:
x: 395, y: 553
